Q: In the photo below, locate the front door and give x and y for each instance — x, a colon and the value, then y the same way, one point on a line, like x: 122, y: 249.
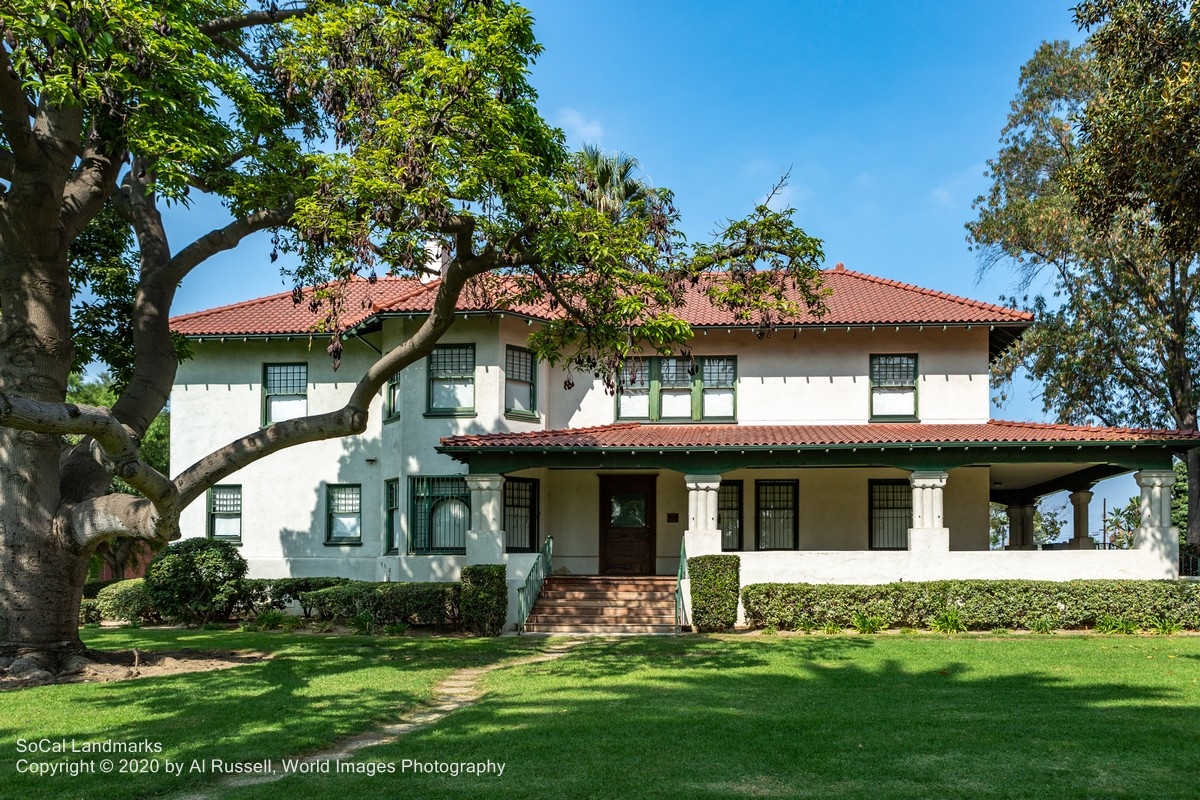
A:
x: 627, y: 524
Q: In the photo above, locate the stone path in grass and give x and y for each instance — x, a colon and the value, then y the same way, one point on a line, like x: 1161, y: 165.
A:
x: 458, y: 690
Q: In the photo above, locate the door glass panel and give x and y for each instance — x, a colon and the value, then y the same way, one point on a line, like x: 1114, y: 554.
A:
x: 628, y: 511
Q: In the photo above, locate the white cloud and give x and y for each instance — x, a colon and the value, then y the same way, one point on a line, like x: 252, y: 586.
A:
x: 579, y: 129
x: 960, y: 188
x: 790, y: 196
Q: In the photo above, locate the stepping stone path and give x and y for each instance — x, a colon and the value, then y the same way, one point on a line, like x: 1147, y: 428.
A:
x: 458, y: 690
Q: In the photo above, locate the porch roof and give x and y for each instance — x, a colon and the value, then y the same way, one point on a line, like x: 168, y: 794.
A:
x: 638, y: 436
x: 1027, y: 459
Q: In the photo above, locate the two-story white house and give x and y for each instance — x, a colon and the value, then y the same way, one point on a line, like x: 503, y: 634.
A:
x: 852, y: 448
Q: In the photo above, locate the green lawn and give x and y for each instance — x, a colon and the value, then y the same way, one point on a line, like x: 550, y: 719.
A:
x: 1060, y: 716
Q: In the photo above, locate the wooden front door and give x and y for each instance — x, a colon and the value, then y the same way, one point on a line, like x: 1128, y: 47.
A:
x: 627, y: 524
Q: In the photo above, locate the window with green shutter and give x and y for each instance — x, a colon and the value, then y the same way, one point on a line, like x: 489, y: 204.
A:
x: 678, y: 389
x: 520, y: 383
x: 391, y: 522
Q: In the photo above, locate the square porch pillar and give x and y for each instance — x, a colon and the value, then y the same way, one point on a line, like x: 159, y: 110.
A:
x: 928, y: 532
x: 1081, y: 540
x: 485, y: 538
x: 702, y: 536
x: 1020, y: 527
x: 1154, y: 531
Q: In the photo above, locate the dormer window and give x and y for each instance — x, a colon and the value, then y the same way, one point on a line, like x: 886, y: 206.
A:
x: 676, y: 389
x: 894, y: 388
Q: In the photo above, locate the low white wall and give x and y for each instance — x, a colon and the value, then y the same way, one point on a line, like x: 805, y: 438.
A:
x: 871, y: 567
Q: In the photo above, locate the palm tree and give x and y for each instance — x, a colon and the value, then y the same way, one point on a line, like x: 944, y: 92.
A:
x: 608, y: 181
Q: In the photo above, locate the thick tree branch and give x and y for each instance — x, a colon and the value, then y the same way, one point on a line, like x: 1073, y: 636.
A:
x: 120, y: 515
x: 225, y: 238
x: 14, y: 112
x: 118, y: 444
x: 86, y: 191
x: 8, y: 164
x: 242, y: 21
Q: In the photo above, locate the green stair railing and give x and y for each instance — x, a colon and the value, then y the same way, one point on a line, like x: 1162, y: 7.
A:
x: 680, y: 574
x: 527, y: 595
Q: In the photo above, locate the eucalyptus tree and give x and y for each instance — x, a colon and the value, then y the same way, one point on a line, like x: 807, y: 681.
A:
x: 354, y: 132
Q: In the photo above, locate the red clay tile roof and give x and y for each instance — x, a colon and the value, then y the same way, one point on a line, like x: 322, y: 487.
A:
x: 633, y: 435
x: 855, y: 299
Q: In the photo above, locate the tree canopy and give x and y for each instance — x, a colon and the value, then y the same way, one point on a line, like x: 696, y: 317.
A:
x: 1114, y: 289
x: 354, y: 132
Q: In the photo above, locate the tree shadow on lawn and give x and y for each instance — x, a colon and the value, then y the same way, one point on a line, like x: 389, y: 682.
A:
x: 814, y: 717
x: 312, y: 691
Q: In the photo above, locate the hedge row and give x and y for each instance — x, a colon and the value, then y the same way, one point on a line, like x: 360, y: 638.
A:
x: 259, y: 594
x: 715, y: 580
x: 981, y: 605
x: 484, y: 598
x: 437, y: 604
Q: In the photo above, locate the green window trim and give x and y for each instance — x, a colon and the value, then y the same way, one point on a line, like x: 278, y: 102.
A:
x: 439, y: 514
x: 700, y: 381
x: 343, y: 508
x: 521, y: 515
x: 391, y: 517
x: 225, y: 506
x: 450, y: 363
x: 391, y: 398
x: 775, y: 498
x: 887, y: 529
x: 893, y: 371
x: 730, y: 515
x: 283, y: 381
x: 520, y: 370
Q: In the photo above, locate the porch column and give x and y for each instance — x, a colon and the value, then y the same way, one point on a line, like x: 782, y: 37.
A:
x: 702, y: 536
x: 1155, y: 531
x: 928, y: 531
x: 1081, y: 541
x: 1020, y: 527
x: 485, y: 539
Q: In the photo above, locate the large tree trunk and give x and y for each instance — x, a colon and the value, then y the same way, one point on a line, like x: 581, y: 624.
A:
x: 1193, y: 505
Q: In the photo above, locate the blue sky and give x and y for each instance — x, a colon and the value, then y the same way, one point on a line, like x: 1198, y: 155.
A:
x: 885, y: 113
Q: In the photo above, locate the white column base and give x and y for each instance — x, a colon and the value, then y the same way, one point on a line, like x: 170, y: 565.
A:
x: 485, y: 547
x: 1164, y: 541
x: 701, y: 542
x: 1085, y: 543
x: 1021, y: 547
x: 929, y: 540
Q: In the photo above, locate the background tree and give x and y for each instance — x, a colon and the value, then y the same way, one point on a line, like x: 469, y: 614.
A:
x: 1116, y: 341
x: 355, y: 132
x: 610, y: 181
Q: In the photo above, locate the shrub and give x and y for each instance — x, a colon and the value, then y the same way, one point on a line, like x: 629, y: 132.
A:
x: 128, y: 601
x: 1111, y: 624
x: 716, y: 580
x: 289, y: 623
x: 484, y: 598
x: 279, y: 593
x: 395, y: 629
x: 434, y: 604
x: 269, y: 618
x: 89, y: 612
x: 982, y: 605
x: 1165, y: 626
x: 866, y: 624
x: 195, y: 580
x: 950, y: 620
x: 362, y: 623
x: 1041, y: 625
x: 92, y: 588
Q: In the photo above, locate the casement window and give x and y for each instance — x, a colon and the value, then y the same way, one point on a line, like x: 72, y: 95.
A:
x: 894, y: 388
x: 729, y: 515
x: 391, y: 398
x: 439, y: 514
x: 776, y: 505
x: 343, y: 520
x: 225, y: 513
x: 520, y: 515
x: 891, y: 514
x: 391, y: 519
x: 676, y: 389
x: 520, y: 383
x: 451, y: 369
x: 285, y: 392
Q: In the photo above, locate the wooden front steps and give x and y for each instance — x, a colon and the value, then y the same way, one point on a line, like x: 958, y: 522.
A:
x: 604, y: 604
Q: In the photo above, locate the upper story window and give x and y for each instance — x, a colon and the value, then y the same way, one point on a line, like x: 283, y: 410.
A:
x: 225, y: 513
x: 391, y: 397
x: 894, y: 387
x: 285, y: 392
x: 670, y: 388
x: 520, y: 383
x: 452, y: 380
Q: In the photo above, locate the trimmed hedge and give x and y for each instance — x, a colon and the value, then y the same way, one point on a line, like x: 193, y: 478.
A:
x: 196, y: 580
x: 128, y: 601
x: 89, y: 611
x: 484, y: 598
x: 260, y: 594
x: 981, y: 605
x: 388, y: 603
x: 715, y: 583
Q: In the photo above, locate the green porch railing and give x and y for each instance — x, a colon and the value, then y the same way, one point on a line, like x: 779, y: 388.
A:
x: 680, y: 574
x: 527, y: 595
